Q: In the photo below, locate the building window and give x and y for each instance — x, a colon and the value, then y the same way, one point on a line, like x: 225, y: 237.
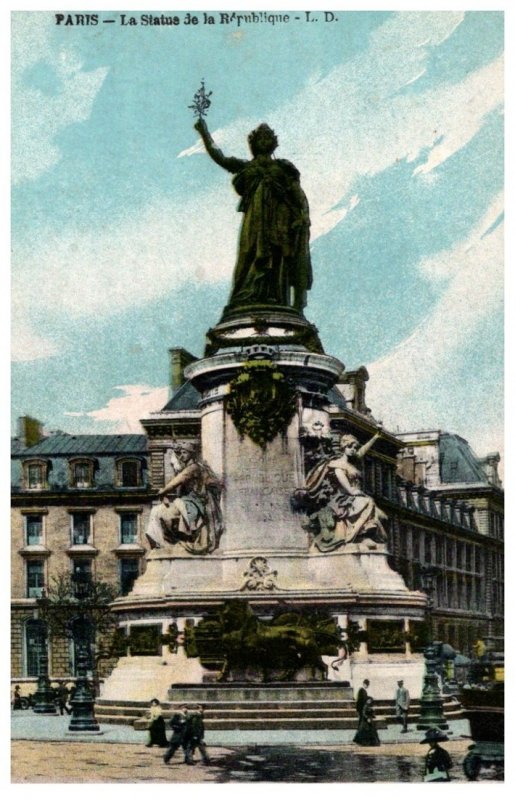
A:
x: 387, y: 482
x: 477, y: 594
x: 416, y: 546
x: 35, y: 474
x: 35, y: 578
x: 129, y: 472
x: 451, y: 594
x: 81, y: 527
x: 378, y: 477
x: 439, y: 550
x: 369, y: 475
x: 34, y: 529
x: 129, y: 571
x: 440, y: 590
x: 468, y: 556
x: 469, y: 589
x: 450, y: 552
x: 403, y: 542
x: 428, y: 548
x: 82, y: 567
x: 81, y: 473
x: 463, y: 592
x: 35, y: 644
x: 129, y: 528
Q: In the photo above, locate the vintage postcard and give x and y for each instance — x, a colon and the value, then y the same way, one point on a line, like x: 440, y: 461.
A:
x: 257, y: 452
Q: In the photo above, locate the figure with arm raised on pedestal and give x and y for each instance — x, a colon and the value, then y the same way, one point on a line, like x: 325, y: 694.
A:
x: 274, y: 263
x: 341, y: 512
x: 189, y: 513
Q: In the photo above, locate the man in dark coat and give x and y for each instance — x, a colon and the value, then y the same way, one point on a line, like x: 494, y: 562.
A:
x: 362, y: 697
x: 16, y: 702
x: 178, y: 725
x: 194, y: 736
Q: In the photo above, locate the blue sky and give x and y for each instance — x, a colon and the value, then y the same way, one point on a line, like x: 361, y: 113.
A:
x: 124, y: 232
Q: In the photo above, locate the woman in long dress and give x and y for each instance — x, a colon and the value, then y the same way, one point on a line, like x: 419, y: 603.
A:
x: 274, y: 263
x: 345, y: 514
x: 156, y: 725
x: 438, y: 761
x: 366, y: 735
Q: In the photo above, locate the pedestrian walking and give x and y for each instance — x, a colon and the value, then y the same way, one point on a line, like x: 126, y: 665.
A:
x: 402, y: 701
x: 367, y: 735
x: 178, y: 725
x: 438, y: 761
x: 61, y: 698
x: 361, y: 699
x: 194, y: 736
x: 16, y: 698
x: 156, y: 725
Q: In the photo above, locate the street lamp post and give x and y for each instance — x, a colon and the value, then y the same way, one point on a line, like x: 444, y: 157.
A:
x: 83, y: 701
x: 44, y: 696
x: 431, y: 703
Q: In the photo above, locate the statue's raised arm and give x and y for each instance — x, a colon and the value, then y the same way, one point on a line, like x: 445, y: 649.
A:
x: 227, y: 162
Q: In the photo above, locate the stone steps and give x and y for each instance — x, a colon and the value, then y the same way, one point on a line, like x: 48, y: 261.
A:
x: 268, y: 714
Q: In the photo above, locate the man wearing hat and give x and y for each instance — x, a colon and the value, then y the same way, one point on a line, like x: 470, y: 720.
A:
x: 178, y: 724
x: 402, y: 701
x: 194, y: 736
x: 438, y: 760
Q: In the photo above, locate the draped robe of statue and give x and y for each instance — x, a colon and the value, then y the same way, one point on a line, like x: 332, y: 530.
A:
x: 193, y: 519
x: 343, y: 518
x: 273, y: 266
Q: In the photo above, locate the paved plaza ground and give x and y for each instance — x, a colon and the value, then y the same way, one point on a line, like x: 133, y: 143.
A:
x: 96, y: 762
x: 44, y: 752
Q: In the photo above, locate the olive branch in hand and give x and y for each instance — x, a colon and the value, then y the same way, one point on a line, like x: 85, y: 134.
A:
x: 201, y: 101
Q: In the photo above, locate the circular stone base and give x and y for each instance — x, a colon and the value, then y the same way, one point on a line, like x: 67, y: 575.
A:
x: 263, y: 325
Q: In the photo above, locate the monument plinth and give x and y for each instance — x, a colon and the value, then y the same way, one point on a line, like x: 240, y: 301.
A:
x: 259, y: 488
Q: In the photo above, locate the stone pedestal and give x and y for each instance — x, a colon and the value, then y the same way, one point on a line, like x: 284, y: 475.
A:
x: 265, y: 555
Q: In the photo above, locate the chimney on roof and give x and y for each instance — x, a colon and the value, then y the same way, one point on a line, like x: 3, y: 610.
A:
x: 179, y: 360
x: 30, y: 431
x: 490, y: 465
x: 352, y: 385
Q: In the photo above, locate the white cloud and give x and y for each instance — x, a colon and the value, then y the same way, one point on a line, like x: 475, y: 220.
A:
x: 125, y: 411
x: 358, y: 120
x: 37, y: 116
x: 29, y: 346
x: 404, y: 384
x: 445, y: 264
x: 126, y: 265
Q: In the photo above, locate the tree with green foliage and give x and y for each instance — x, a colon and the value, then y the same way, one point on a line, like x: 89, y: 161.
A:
x: 78, y: 607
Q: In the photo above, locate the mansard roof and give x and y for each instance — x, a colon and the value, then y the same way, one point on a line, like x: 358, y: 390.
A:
x: 186, y: 398
x: 60, y: 443
x: 458, y: 462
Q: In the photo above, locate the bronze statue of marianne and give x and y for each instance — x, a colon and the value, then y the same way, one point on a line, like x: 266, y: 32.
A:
x: 274, y: 264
